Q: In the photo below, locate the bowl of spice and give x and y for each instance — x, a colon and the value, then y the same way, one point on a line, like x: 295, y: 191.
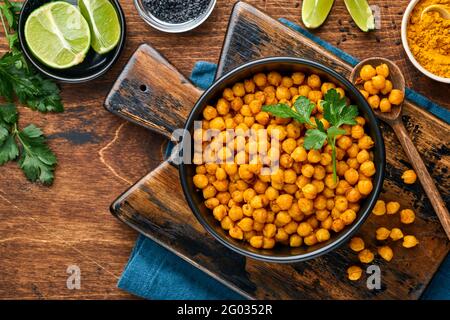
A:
x: 175, y: 16
x: 426, y: 37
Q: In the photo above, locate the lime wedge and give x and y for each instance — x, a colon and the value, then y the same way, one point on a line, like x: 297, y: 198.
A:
x: 103, y: 22
x: 58, y: 35
x: 361, y: 14
x: 314, y: 12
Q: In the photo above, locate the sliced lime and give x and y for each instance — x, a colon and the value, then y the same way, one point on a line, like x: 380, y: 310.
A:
x: 361, y: 14
x: 104, y: 24
x: 58, y: 35
x: 314, y: 12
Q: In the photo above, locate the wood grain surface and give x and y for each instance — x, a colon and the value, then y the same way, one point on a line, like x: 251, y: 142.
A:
x: 151, y: 208
x: 44, y: 230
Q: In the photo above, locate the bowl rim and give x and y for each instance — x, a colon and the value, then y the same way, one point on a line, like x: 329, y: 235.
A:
x: 174, y: 28
x: 404, y: 27
x: 378, y: 183
x: 72, y: 80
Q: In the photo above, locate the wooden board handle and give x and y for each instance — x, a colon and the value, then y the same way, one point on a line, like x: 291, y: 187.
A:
x: 424, y: 176
x: 152, y: 93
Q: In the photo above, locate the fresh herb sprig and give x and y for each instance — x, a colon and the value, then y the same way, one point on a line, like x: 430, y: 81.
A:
x: 19, y: 80
x: 336, y: 112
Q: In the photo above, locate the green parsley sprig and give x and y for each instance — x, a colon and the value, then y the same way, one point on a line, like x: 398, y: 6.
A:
x: 20, y: 80
x: 336, y: 112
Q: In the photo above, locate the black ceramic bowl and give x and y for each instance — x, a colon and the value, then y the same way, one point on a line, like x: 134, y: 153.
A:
x: 94, y: 64
x: 283, y: 254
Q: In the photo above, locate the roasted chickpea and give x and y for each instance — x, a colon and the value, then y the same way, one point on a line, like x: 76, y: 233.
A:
x: 366, y: 256
x: 382, y: 233
x: 354, y: 273
x: 314, y: 81
x: 342, y: 187
x: 374, y: 101
x: 341, y: 92
x: 291, y: 227
x: 341, y: 203
x: 385, y: 105
x: 209, y: 192
x: 315, y: 95
x: 396, y: 234
x: 298, y: 78
x: 256, y: 242
x: 236, y: 233
x: 226, y: 223
x: 396, y: 97
x: 392, y: 207
x: 410, y: 242
x: 353, y: 195
x: 239, y: 89
x: 351, y: 176
x: 310, y: 240
x: 309, y: 191
x: 200, y: 181
x: 304, y: 229
x: 269, y: 230
x: 289, y: 145
x: 357, y: 244
x: 383, y: 70
x: 363, y: 156
x: 314, y: 156
x: 387, y: 88
x: 260, y: 215
x: 369, y: 87
x: 249, y: 86
x: 299, y: 154
x: 295, y: 240
x: 348, y: 216
x: 407, y: 216
x: 380, y: 208
x: 322, y: 235
x: 260, y: 80
x: 386, y: 253
x: 274, y: 78
x: 364, y: 93
x: 357, y: 132
x: 367, y: 168
x: 247, y: 210
x: 282, y: 218
x: 235, y: 213
x: 212, y: 203
x: 308, y: 170
x: 367, y: 72
x: 337, y: 225
x: 365, y: 187
x: 228, y: 94
x: 379, y: 82
x: 409, y: 177
x: 281, y: 235
x: 246, y: 224
x: 306, y: 206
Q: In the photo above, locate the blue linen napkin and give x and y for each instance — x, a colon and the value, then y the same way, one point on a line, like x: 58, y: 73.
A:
x: 153, y: 272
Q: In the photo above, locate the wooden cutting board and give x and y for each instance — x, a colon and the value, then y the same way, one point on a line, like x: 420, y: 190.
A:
x: 155, y: 206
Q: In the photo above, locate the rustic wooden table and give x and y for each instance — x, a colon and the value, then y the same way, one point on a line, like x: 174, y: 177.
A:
x: 44, y: 230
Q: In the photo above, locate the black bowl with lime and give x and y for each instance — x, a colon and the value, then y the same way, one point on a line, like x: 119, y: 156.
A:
x: 72, y: 41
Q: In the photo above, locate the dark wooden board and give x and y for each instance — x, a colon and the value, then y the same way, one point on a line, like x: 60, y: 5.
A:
x: 151, y: 207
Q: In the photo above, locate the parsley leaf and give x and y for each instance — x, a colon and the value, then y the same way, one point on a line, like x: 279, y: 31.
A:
x: 304, y: 108
x: 336, y: 110
x: 314, y: 139
x: 8, y: 150
x: 37, y: 160
x: 281, y: 110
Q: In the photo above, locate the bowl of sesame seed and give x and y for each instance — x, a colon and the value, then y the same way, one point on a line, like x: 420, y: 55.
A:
x: 174, y: 16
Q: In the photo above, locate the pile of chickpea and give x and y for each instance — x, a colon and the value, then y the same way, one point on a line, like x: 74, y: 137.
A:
x: 378, y: 89
x: 365, y: 255
x: 300, y: 203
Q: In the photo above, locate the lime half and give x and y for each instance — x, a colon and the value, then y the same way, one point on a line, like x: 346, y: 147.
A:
x: 314, y: 12
x: 103, y: 22
x: 58, y: 35
x: 361, y: 14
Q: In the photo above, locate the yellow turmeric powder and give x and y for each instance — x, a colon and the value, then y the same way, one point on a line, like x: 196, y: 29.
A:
x: 429, y: 38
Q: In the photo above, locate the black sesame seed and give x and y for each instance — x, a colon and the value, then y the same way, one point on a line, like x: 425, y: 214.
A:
x: 176, y: 11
